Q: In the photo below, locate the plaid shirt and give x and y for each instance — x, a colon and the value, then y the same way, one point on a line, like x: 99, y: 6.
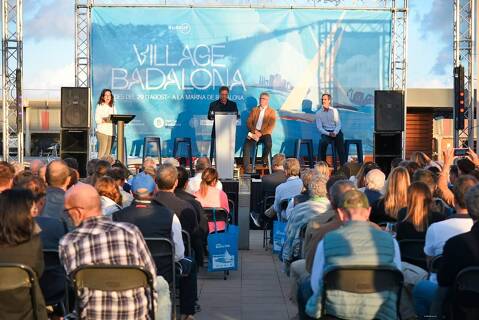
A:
x: 98, y: 240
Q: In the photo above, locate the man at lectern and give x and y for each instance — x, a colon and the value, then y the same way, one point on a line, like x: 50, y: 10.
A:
x: 260, y: 124
x: 223, y: 104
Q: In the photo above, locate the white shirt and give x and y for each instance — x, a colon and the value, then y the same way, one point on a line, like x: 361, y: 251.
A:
x: 318, y: 264
x: 287, y: 190
x: 104, y: 111
x: 194, y: 184
x: 328, y: 121
x: 177, y: 238
x: 259, y: 123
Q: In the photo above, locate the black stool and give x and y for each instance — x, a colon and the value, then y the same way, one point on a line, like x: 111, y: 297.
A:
x: 151, y: 140
x: 186, y: 141
x: 255, y: 155
x: 333, y: 151
x: 309, y: 147
x: 359, y: 148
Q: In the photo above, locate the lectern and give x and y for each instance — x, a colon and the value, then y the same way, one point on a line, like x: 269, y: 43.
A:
x: 120, y: 120
x: 225, y: 129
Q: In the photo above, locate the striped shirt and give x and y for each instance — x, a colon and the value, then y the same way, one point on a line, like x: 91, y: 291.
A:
x: 328, y: 121
x: 98, y: 240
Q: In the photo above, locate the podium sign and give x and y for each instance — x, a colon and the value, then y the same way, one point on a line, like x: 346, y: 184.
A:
x: 225, y: 129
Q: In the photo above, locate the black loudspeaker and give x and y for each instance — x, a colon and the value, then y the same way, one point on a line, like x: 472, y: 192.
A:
x: 387, y: 146
x: 388, y: 111
x: 75, y: 108
x: 74, y: 144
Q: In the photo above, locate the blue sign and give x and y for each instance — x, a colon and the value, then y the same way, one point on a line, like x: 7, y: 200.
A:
x: 165, y: 65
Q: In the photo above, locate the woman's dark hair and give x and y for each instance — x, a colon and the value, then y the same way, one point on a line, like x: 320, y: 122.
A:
x: 183, y: 176
x: 16, y: 222
x: 102, y: 96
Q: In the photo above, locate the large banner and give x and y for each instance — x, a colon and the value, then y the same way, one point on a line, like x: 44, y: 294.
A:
x: 165, y: 65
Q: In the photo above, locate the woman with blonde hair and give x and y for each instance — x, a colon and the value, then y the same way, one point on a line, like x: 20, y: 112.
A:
x: 109, y: 192
x: 211, y: 197
x: 395, y: 197
x: 322, y: 168
x: 418, y: 213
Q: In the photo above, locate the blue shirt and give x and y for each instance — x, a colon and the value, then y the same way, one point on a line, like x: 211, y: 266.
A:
x: 287, y: 190
x: 328, y: 121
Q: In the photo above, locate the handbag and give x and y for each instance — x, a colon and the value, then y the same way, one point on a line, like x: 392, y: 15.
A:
x: 279, y: 235
x: 223, y: 248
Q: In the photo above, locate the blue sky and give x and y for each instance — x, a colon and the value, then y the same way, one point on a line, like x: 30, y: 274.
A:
x: 49, y: 45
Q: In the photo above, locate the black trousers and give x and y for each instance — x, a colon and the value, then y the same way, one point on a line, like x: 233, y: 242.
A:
x: 338, y: 145
x: 249, y: 144
x: 188, y: 290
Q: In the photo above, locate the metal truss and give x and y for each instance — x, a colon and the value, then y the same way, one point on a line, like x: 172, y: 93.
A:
x: 464, y: 19
x: 12, y: 70
x: 398, y: 69
x: 82, y: 42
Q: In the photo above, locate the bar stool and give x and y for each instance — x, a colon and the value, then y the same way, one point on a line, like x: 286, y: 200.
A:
x: 186, y: 141
x: 359, y: 148
x: 309, y: 148
x: 146, y: 143
x: 256, y: 154
x: 333, y: 152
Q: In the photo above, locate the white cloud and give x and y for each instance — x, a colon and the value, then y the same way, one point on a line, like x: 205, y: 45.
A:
x: 48, y: 81
x: 51, y: 20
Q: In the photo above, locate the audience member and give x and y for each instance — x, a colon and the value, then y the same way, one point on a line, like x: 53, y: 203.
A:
x: 306, y: 177
x: 271, y: 181
x: 418, y: 215
x: 90, y: 171
x: 420, y: 158
x: 395, y: 197
x: 101, y: 168
x: 412, y: 167
x: 360, y: 178
x: 167, y: 180
x: 288, y: 189
x: 20, y: 243
x: 98, y: 240
x: 118, y: 175
x: 194, y: 183
x: 318, y: 206
x: 355, y: 243
x: 109, y: 158
x: 211, y: 197
x: 36, y: 166
x: 7, y: 172
x: 110, y: 195
x: 465, y: 166
x: 374, y: 185
x: 22, y: 175
x: 58, y: 178
x: 322, y: 168
x: 395, y: 163
x: 430, y: 179
x: 71, y: 163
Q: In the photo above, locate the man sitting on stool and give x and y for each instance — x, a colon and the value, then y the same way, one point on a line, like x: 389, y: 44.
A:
x: 329, y: 125
x: 260, y: 124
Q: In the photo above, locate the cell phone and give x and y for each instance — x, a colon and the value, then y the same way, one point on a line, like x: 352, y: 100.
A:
x: 460, y: 152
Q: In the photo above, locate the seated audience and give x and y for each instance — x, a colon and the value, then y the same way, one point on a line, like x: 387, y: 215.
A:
x: 374, y: 185
x: 322, y: 168
x: 7, y: 173
x: 306, y: 177
x: 430, y: 179
x: 437, y: 235
x: 318, y: 206
x: 98, y: 240
x: 269, y: 182
x: 412, y: 167
x: 460, y: 252
x: 355, y: 243
x: 194, y: 183
x: 360, y: 178
x: 101, y: 168
x: 420, y: 158
x: 395, y: 197
x: 110, y: 195
x: 58, y: 178
x: 465, y: 166
x: 118, y: 175
x: 20, y: 243
x: 90, y: 171
x: 167, y: 180
x: 418, y: 215
x: 288, y: 189
x: 36, y: 167
x: 211, y: 197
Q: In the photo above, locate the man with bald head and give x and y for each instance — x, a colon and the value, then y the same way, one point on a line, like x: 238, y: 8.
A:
x: 57, y: 176
x: 35, y: 166
x: 98, y: 240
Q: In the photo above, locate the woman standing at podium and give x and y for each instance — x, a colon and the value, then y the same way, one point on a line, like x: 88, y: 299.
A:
x: 104, y: 127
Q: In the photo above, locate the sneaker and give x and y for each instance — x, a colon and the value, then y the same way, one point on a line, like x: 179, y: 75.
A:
x: 255, y: 217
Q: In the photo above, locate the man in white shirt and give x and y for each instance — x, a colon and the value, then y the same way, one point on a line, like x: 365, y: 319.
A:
x: 194, y: 182
x: 329, y: 126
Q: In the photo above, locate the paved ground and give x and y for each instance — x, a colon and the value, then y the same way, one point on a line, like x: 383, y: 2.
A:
x: 257, y: 291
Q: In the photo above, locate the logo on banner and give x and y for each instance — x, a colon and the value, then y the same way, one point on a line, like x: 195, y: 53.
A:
x: 159, y: 122
x: 184, y: 28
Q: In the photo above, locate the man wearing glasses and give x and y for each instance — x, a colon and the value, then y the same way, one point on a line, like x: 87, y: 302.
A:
x: 223, y: 104
x: 260, y: 124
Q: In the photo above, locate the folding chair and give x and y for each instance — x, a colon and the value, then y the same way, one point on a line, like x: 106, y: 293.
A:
x: 163, y: 252
x: 105, y: 277
x: 465, y: 294
x: 435, y: 264
x: 55, y: 272
x: 412, y: 251
x: 16, y: 276
x: 267, y: 202
x: 362, y: 280
x: 187, y: 241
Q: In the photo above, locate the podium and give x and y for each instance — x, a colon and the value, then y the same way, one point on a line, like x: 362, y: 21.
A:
x: 225, y: 130
x: 120, y: 120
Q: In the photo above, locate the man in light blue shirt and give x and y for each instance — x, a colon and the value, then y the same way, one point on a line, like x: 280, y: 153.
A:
x: 329, y: 125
